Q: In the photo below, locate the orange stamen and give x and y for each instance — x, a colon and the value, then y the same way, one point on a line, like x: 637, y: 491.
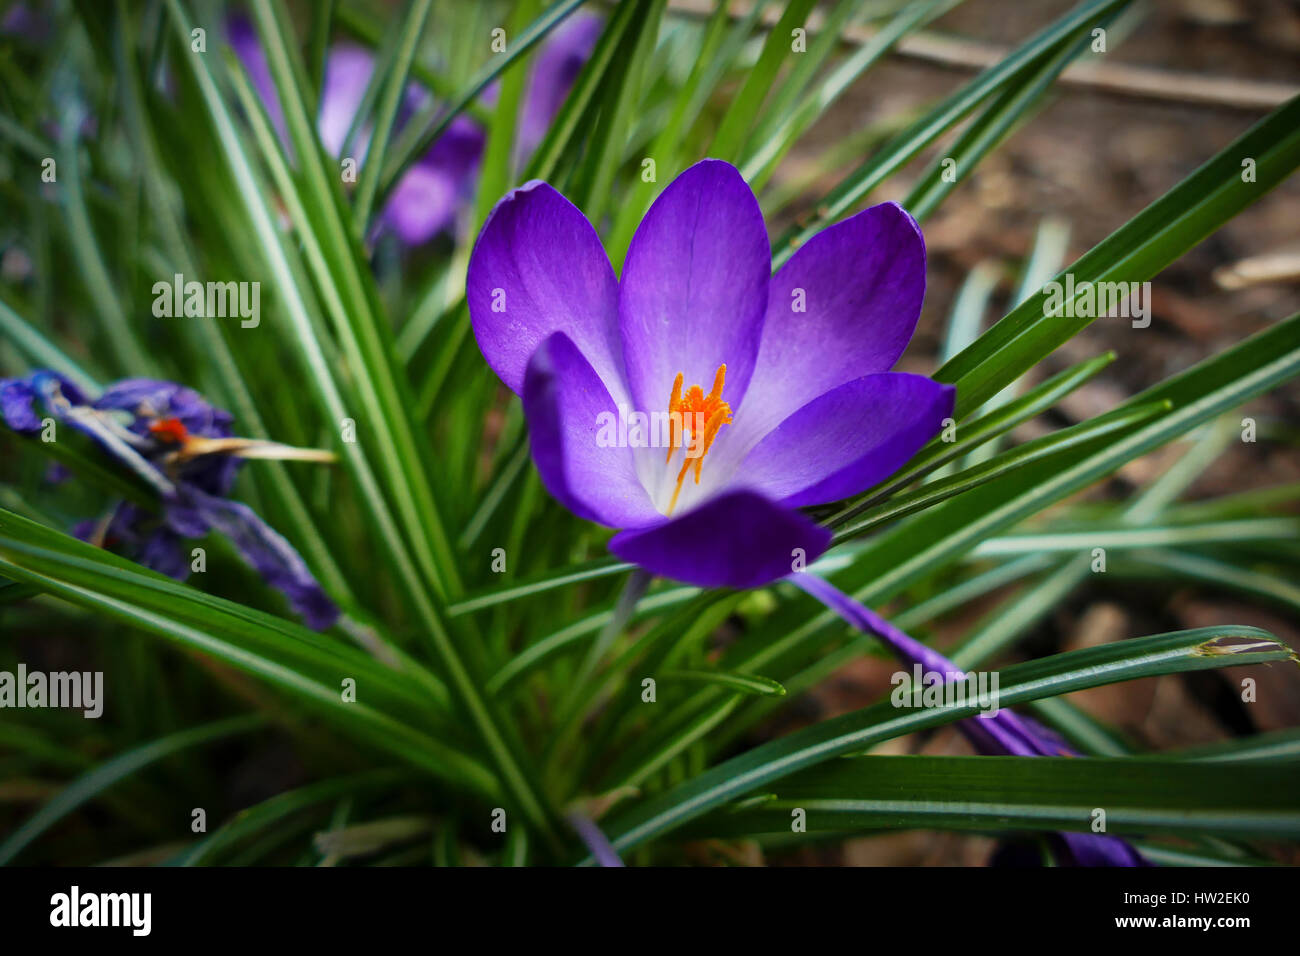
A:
x: 169, y: 430
x: 692, y: 408
x: 673, y: 401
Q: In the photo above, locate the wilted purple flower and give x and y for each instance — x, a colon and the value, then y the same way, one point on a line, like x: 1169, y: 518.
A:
x: 1000, y: 733
x: 430, y: 196
x: 184, y: 447
x: 167, y: 413
x: 802, y: 408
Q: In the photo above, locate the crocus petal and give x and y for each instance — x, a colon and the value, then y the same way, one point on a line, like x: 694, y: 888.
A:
x: 429, y: 196
x: 151, y: 398
x: 186, y: 519
x: 558, y: 64
x: 739, y: 539
x: 125, y: 524
x: 49, y: 384
x: 20, y: 21
x: 18, y: 405
x: 694, y: 288
x: 595, y: 840
x: 244, y: 41
x: 538, y: 268
x: 423, y: 204
x: 1097, y: 849
x: 347, y: 74
x: 1001, y: 733
x: 271, y: 556
x: 859, y: 284
x: 564, y: 401
x: 19, y: 397
x: 162, y: 552
x: 459, y: 151
x: 427, y: 199
x: 848, y: 439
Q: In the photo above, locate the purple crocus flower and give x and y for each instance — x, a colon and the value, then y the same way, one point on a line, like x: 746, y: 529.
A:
x: 1001, y: 733
x: 185, y: 448
x: 430, y: 197
x: 802, y: 408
